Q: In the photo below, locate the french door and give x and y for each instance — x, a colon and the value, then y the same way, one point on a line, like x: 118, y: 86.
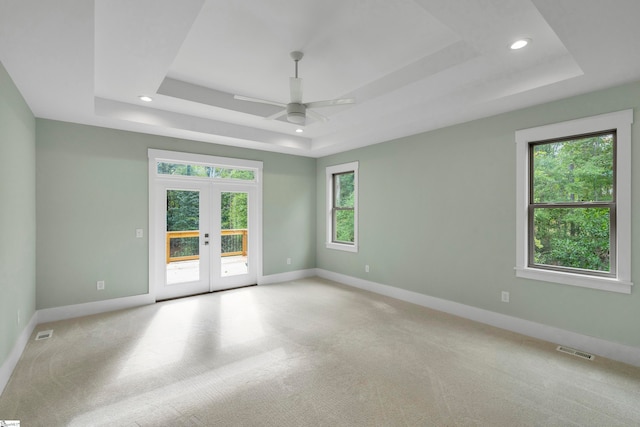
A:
x: 207, y: 232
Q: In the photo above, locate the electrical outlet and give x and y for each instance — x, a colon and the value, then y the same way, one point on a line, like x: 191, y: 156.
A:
x: 139, y: 233
x: 505, y: 296
x: 100, y: 285
x: 366, y: 268
x: 18, y: 317
x: 288, y: 261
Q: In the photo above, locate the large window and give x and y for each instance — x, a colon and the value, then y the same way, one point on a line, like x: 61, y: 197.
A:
x: 574, y: 202
x: 342, y: 202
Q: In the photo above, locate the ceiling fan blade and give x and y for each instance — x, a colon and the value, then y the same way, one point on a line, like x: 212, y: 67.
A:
x: 318, y: 116
x: 330, y: 103
x: 295, y: 85
x: 276, y: 115
x: 258, y: 100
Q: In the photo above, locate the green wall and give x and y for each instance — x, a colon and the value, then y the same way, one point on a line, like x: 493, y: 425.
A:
x: 17, y: 214
x: 437, y: 216
x: 92, y: 192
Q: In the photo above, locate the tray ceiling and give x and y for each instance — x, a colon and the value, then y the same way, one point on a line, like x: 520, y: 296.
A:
x: 412, y: 65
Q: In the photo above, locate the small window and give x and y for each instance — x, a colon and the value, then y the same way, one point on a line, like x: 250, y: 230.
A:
x: 205, y: 171
x: 343, y: 208
x: 241, y: 174
x: 342, y: 202
x: 181, y: 169
x: 574, y: 202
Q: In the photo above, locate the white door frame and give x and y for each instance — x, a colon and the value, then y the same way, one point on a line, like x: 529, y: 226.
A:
x: 156, y: 237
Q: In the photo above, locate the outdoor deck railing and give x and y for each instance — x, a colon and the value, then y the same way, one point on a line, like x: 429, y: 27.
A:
x: 190, y: 234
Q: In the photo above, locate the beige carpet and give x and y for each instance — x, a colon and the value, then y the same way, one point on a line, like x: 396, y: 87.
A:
x: 307, y: 353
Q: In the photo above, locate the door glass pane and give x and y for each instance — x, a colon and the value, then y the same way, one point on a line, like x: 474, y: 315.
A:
x: 234, y: 238
x: 183, y: 236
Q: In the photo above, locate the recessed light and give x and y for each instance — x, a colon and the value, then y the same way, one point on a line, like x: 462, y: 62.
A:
x: 145, y: 98
x: 519, y: 44
x: 299, y: 130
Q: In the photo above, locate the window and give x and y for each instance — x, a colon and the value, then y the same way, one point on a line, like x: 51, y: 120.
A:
x: 342, y: 202
x: 343, y: 208
x: 572, y: 204
x: 574, y: 210
x: 204, y: 171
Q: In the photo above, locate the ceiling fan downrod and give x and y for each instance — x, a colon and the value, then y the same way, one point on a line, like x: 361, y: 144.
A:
x: 296, y: 56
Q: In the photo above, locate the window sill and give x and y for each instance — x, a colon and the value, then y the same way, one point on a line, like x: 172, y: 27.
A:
x: 342, y: 247
x: 592, y: 282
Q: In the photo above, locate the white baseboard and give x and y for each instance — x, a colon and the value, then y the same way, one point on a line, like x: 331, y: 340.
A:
x: 286, y: 277
x: 10, y: 363
x: 86, y: 309
x: 77, y: 310
x: 597, y: 346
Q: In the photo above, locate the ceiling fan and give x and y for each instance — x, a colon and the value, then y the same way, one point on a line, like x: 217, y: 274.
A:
x: 296, y: 110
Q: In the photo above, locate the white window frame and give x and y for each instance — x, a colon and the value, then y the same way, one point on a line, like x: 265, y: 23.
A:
x: 620, y: 121
x: 330, y: 171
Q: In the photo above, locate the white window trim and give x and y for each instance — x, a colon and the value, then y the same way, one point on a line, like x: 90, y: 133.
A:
x: 330, y: 171
x: 621, y: 121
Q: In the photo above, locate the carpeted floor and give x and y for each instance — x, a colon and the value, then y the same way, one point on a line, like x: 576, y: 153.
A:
x: 307, y: 353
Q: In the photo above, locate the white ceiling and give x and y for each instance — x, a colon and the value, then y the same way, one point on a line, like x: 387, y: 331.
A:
x: 412, y: 65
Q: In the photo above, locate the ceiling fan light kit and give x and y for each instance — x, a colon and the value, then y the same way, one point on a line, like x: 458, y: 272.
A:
x: 296, y: 113
x: 296, y: 110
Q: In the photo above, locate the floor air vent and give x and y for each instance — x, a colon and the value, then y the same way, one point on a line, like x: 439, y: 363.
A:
x: 43, y: 335
x: 574, y: 352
